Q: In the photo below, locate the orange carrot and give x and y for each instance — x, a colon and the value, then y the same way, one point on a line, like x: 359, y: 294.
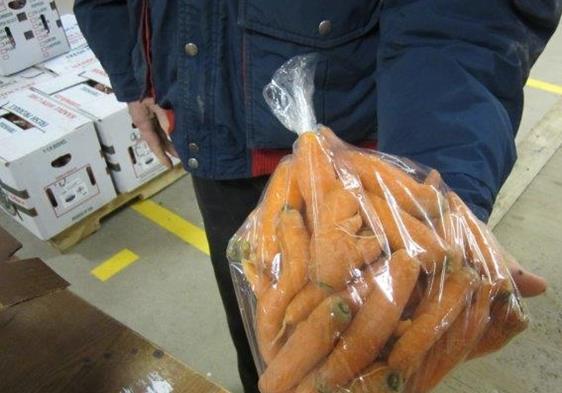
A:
x: 379, y: 177
x: 270, y: 310
x: 314, y: 169
x: 406, y: 232
x: 312, y: 340
x: 378, y: 378
x: 308, y: 384
x: 433, y: 179
x: 454, y: 345
x: 373, y: 325
x: 307, y: 299
x: 478, y: 242
x: 334, y: 254
x: 368, y: 246
x: 259, y: 281
x: 402, y: 327
x: 428, y: 327
x: 508, y: 320
x: 304, y: 303
x: 339, y: 204
x: 281, y: 191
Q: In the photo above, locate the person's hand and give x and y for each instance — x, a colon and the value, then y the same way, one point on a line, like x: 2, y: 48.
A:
x: 151, y: 120
x: 529, y: 284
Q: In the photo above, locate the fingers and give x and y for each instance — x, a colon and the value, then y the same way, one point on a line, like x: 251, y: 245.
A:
x: 151, y: 136
x: 162, y: 117
x: 529, y: 284
x: 142, y: 115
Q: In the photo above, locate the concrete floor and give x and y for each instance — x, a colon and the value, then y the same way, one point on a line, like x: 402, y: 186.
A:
x: 169, y: 294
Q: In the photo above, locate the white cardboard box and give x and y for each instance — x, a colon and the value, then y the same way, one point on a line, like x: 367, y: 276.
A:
x: 10, y: 85
x: 30, y: 32
x: 80, y: 56
x: 73, y: 33
x: 129, y: 158
x: 52, y: 173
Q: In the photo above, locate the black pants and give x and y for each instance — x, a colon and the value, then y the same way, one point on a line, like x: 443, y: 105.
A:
x: 224, y: 206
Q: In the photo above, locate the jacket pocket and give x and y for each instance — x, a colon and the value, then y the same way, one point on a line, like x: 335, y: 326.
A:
x: 315, y: 23
x: 344, y: 36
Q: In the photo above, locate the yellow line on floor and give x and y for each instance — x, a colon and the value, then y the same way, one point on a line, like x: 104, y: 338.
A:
x: 549, y: 87
x: 170, y: 221
x: 115, y: 264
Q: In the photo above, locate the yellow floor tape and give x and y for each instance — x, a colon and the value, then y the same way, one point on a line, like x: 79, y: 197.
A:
x: 115, y: 264
x: 170, y: 221
x: 549, y: 87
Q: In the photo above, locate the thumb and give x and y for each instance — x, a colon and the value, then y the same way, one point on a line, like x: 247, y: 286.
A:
x: 529, y: 284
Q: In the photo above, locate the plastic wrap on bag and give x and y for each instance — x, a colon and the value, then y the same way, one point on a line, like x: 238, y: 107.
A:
x: 363, y: 272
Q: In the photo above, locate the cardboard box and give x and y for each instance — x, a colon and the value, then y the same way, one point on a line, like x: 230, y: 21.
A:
x: 30, y: 32
x: 129, y: 158
x: 52, y: 172
x: 10, y: 85
x: 73, y: 33
x: 80, y: 56
x: 54, y: 342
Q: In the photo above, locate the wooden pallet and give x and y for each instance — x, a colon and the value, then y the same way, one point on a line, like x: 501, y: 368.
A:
x: 92, y: 223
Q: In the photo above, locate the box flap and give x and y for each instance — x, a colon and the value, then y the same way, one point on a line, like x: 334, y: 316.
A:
x: 22, y: 280
x: 11, y: 85
x: 8, y: 245
x: 58, y: 83
x: 97, y: 74
x: 73, y: 33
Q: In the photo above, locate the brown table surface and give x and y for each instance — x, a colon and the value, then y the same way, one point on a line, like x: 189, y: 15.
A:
x: 55, y: 342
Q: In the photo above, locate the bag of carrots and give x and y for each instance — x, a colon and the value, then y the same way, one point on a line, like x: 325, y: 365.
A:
x: 362, y: 272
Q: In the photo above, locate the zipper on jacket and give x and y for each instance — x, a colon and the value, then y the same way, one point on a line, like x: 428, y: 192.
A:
x: 147, y: 35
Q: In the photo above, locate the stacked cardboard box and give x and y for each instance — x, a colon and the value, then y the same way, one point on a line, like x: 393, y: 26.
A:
x: 30, y: 32
x: 130, y: 160
x: 52, y: 171
x: 55, y: 118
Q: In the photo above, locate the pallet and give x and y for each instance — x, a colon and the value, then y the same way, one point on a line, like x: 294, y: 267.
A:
x: 92, y: 223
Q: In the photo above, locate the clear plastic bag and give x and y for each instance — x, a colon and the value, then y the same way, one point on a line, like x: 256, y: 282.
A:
x: 363, y: 272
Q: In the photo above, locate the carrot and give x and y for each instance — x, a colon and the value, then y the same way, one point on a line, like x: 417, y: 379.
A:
x: 339, y: 204
x: 428, y: 327
x: 334, y: 254
x: 270, y: 309
x: 312, y: 340
x: 373, y: 325
x: 314, y: 170
x: 379, y: 177
x: 404, y: 231
x: 368, y: 246
x: 308, y: 384
x: 259, y: 281
x: 508, y: 320
x: 357, y: 292
x: 436, y: 281
x: 402, y: 327
x: 433, y: 179
x: 281, y: 191
x: 478, y: 243
x: 378, y: 378
x: 304, y: 303
x: 456, y: 343
x: 415, y: 300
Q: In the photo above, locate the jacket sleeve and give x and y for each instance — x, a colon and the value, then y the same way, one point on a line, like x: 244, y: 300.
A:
x: 450, y: 84
x: 109, y: 32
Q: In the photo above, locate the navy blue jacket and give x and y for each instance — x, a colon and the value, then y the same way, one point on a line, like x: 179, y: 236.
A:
x: 438, y: 81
